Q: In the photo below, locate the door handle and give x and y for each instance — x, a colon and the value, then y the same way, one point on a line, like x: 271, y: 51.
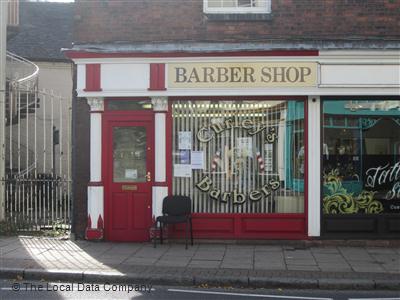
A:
x: 148, y: 176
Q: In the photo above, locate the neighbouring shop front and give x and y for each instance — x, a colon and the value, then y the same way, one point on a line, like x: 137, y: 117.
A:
x: 361, y: 167
x: 254, y: 142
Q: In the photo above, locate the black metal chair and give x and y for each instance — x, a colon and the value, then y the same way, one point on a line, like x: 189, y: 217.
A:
x: 175, y: 210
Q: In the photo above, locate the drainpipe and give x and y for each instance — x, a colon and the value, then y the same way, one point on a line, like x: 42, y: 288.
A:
x: 3, y: 49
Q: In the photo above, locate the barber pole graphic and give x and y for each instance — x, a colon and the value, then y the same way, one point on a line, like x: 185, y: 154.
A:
x: 215, y: 161
x: 260, y: 160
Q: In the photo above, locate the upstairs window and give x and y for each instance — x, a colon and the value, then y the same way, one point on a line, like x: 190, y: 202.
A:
x: 237, y: 6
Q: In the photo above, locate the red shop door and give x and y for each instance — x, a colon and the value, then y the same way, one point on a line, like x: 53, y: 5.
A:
x: 129, y: 168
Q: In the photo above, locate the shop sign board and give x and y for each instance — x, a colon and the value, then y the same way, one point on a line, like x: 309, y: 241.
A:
x: 242, y: 75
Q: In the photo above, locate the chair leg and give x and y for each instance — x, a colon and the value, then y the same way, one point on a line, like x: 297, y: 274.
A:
x: 191, y: 231
x: 161, y: 233
x: 155, y: 235
x: 186, y: 234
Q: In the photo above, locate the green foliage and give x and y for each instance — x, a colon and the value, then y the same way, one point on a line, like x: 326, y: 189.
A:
x: 19, y: 225
x: 57, y: 229
x: 7, y: 227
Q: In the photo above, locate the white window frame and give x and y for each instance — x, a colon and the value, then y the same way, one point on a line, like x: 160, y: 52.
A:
x: 237, y: 10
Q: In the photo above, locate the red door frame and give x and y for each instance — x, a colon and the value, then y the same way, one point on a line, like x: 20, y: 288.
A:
x: 120, y: 116
x: 245, y: 225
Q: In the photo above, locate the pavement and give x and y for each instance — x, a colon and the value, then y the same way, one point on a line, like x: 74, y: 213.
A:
x: 281, y: 265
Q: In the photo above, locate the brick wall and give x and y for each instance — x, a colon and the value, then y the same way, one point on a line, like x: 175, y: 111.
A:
x: 183, y: 20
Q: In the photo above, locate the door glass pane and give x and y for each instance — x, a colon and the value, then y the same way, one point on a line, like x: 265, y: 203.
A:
x: 129, y: 154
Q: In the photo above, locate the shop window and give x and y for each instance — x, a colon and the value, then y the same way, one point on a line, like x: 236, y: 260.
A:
x: 239, y: 156
x: 361, y: 157
x: 237, y: 6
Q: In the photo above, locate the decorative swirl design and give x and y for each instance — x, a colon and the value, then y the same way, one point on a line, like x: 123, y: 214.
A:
x: 339, y: 201
x: 340, y: 204
x: 364, y: 199
x: 396, y: 120
x: 375, y: 207
x: 367, y: 123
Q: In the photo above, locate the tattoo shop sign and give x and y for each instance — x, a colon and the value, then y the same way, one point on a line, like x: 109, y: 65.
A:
x: 206, y: 133
x: 242, y: 75
x: 384, y: 175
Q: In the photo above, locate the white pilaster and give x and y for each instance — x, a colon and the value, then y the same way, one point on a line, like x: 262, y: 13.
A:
x: 95, y: 189
x: 159, y: 193
x: 96, y: 109
x: 160, y: 107
x: 95, y: 204
x: 314, y: 166
x: 160, y: 147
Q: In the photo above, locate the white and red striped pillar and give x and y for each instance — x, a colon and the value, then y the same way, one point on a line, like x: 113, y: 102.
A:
x: 160, y: 187
x: 95, y: 205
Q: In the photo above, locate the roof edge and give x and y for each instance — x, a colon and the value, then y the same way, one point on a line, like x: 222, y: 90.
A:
x: 196, y: 47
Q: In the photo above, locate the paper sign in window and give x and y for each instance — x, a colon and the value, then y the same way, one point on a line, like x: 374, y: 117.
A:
x: 131, y: 173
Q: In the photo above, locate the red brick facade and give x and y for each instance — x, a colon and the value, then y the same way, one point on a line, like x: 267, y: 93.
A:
x: 183, y: 20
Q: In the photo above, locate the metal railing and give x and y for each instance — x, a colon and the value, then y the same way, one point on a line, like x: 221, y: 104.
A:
x: 13, y: 13
x: 21, y: 71
x: 37, y: 150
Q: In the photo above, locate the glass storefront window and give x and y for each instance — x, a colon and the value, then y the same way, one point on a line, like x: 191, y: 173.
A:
x: 239, y: 156
x: 361, y: 157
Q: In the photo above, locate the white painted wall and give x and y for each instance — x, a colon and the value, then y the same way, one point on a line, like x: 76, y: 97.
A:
x: 125, y: 77
x: 81, y: 77
x: 360, y: 75
x: 56, y: 78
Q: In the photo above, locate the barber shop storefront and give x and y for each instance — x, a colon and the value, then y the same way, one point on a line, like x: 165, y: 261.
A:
x: 267, y: 147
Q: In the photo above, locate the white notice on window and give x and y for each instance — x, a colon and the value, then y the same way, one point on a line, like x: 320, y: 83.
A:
x: 245, y: 146
x: 182, y: 170
x: 131, y: 173
x: 185, y: 140
x: 269, y: 154
x: 197, y: 161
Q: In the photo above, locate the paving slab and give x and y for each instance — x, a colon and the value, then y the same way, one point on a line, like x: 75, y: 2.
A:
x: 380, y: 250
x: 204, y: 264
x: 270, y: 267
x: 209, y: 255
x: 141, y: 260
x: 325, y: 250
x: 267, y: 248
x: 241, y: 265
x: 302, y: 267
